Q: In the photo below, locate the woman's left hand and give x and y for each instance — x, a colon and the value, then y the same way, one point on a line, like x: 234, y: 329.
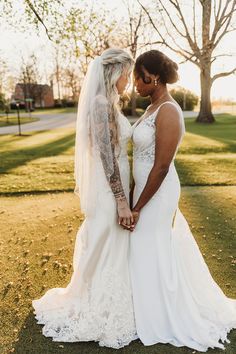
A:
x: 136, y: 218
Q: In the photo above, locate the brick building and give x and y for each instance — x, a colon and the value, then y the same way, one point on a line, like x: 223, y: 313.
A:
x: 41, y: 95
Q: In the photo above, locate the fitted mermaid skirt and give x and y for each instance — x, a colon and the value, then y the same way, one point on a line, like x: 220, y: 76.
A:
x: 176, y: 300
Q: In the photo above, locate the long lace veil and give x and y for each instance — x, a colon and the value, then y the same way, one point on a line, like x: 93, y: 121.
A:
x: 85, y: 145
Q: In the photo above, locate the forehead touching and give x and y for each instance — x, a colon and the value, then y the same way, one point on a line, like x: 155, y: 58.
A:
x: 127, y: 70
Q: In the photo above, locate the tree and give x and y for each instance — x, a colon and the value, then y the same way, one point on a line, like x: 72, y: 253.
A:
x: 134, y: 28
x: 86, y: 33
x: 35, y: 13
x: 2, y: 101
x: 30, y: 78
x: 185, y: 98
x: 135, y: 36
x: 57, y: 69
x: 196, y: 39
x: 71, y: 80
x: 3, y: 69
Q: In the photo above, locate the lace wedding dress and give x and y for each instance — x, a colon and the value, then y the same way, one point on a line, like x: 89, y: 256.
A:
x: 175, y: 298
x: 97, y: 303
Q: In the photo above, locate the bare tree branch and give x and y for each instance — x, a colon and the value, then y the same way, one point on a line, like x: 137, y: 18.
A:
x: 225, y: 30
x: 221, y: 19
x: 31, y: 6
x: 187, y: 55
x: 172, y: 22
x: 226, y: 73
x: 199, y: 54
x: 192, y: 43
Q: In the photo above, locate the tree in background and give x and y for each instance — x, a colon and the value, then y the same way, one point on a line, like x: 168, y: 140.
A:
x: 3, y: 74
x: 30, y: 79
x: 57, y: 71
x: 132, y: 34
x: 34, y: 13
x: 195, y: 38
x: 136, y: 35
x: 2, y: 101
x: 185, y: 98
x: 85, y: 34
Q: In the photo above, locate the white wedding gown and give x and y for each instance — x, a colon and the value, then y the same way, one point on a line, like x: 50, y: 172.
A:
x: 97, y: 303
x: 175, y: 298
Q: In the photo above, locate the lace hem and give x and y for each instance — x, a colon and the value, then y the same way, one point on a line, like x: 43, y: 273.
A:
x: 104, y: 315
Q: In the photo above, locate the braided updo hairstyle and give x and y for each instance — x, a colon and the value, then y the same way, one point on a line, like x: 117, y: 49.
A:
x: 115, y: 61
x: 156, y: 63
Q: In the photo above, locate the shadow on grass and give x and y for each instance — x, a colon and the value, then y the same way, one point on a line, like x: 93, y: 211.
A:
x: 31, y: 340
x: 223, y: 130
x: 16, y: 158
x: 6, y: 140
x: 195, y: 175
x: 35, y: 192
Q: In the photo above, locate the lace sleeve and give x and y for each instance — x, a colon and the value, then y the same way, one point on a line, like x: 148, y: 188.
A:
x: 102, y: 127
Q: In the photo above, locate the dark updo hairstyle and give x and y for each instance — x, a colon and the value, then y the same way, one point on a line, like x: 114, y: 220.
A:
x: 156, y: 63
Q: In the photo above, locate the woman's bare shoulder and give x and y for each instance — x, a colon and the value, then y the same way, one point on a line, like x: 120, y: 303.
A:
x: 169, y: 111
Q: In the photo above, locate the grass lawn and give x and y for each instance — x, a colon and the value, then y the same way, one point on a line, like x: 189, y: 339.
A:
x: 38, y: 230
x: 40, y: 216
x: 208, y: 153
x: 13, y: 120
x: 43, y: 161
x: 53, y: 110
x: 46, y: 111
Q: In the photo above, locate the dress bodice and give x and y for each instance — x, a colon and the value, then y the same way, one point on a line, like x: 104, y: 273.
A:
x: 144, y: 136
x: 125, y: 133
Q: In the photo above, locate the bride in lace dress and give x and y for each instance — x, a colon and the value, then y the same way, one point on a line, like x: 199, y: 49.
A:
x: 97, y: 303
x: 175, y: 298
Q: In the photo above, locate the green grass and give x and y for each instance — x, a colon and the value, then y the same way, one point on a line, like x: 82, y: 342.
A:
x: 43, y: 161
x: 13, y: 120
x: 54, y: 110
x: 207, y: 155
x: 38, y: 161
x: 43, y: 227
x: 38, y: 217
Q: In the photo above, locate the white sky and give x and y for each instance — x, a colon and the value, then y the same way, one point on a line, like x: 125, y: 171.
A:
x: 15, y: 45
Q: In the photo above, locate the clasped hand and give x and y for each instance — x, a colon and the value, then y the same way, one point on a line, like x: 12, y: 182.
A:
x: 126, y: 218
x: 129, y: 223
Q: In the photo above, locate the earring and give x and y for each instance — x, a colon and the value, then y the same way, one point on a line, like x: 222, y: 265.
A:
x: 155, y: 82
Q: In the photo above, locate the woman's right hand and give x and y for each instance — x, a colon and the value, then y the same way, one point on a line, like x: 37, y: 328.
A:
x: 125, y: 216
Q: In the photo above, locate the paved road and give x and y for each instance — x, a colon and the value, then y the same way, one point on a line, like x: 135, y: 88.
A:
x: 45, y: 122
x: 58, y: 120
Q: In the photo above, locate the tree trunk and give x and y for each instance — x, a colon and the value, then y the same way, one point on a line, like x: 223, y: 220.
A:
x: 205, y: 115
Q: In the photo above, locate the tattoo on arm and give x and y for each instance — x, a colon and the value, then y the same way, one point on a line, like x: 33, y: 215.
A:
x: 115, y: 179
x: 105, y: 140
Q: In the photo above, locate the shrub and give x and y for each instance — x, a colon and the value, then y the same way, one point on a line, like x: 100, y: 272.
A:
x: 191, y: 100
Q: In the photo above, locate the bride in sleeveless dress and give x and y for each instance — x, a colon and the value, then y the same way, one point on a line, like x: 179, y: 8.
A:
x: 97, y: 303
x: 175, y: 298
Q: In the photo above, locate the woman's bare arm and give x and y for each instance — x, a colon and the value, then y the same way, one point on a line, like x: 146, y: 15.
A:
x: 131, y: 193
x: 106, y: 143
x: 168, y: 134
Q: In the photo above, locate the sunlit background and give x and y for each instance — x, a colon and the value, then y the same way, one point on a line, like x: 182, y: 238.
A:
x: 16, y: 44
